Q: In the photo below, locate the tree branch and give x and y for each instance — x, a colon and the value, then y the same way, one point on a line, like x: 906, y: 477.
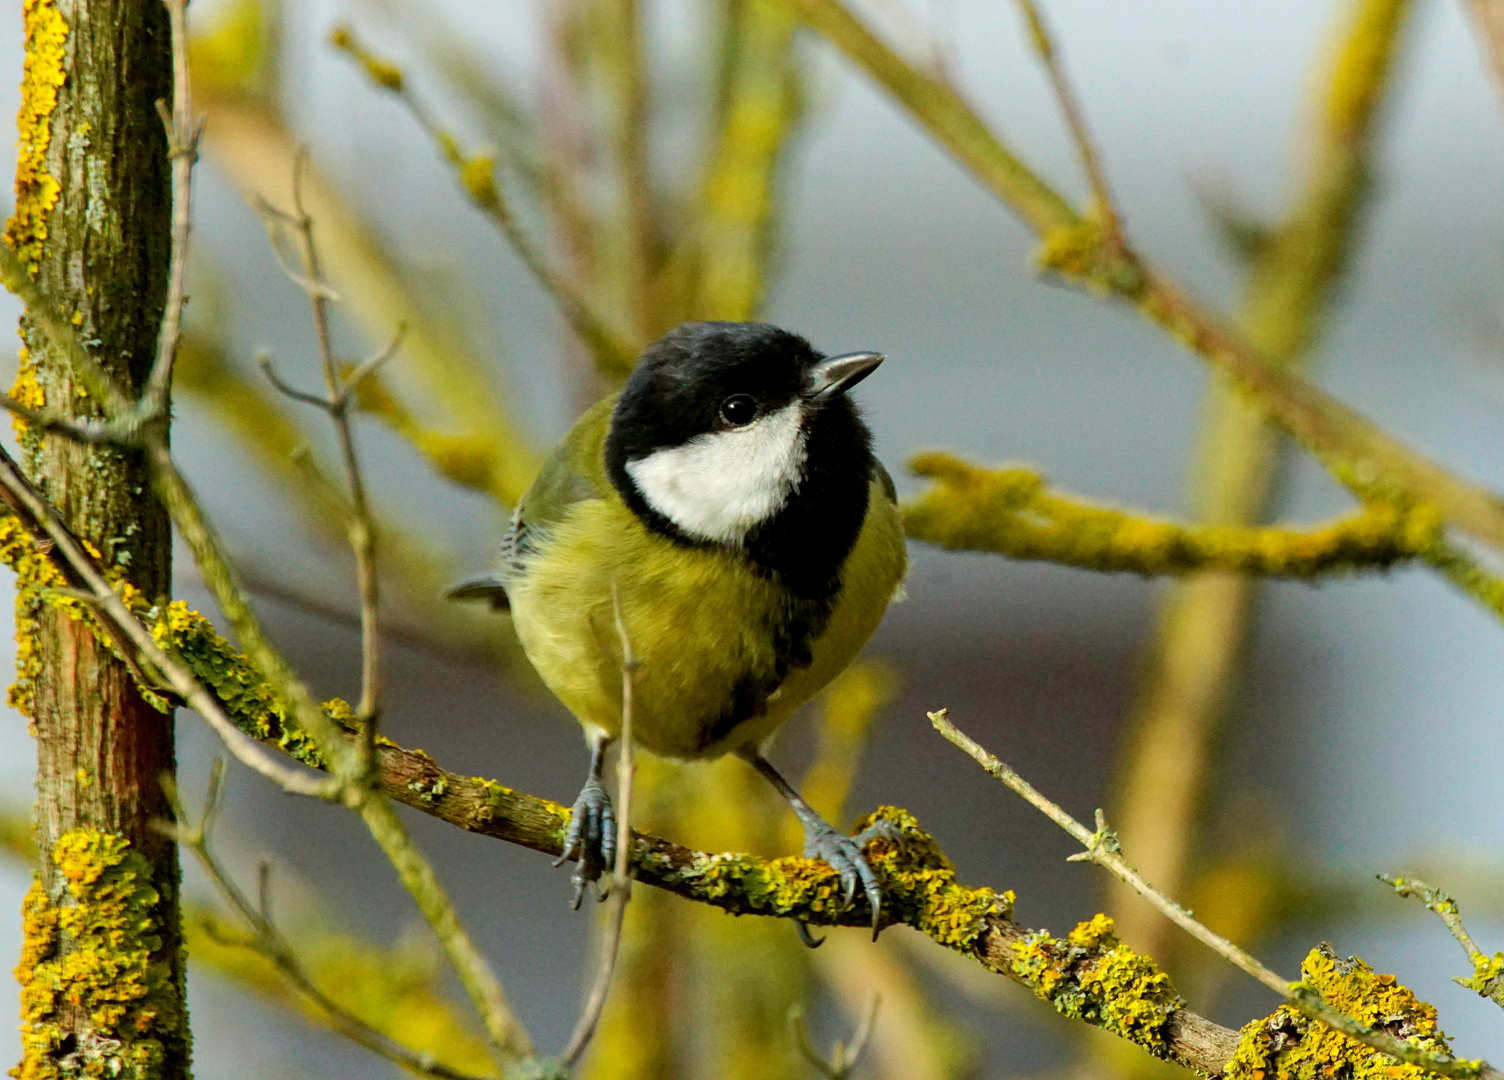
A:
x: 1305, y: 996
x: 1011, y: 512
x: 1360, y: 455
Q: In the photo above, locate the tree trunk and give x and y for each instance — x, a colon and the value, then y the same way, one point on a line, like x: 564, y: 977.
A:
x: 103, y: 966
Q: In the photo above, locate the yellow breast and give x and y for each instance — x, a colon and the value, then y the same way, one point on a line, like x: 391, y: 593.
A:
x: 699, y: 620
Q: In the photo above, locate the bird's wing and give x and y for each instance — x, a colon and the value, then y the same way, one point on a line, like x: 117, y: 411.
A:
x: 573, y: 472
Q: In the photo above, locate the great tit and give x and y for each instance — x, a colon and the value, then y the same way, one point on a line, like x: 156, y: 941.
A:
x: 729, y: 498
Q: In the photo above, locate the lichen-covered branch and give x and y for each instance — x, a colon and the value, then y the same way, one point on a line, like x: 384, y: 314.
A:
x: 1359, y: 454
x: 1366, y: 1022
x: 1088, y: 974
x: 1488, y: 971
x: 1293, y: 268
x: 1012, y: 512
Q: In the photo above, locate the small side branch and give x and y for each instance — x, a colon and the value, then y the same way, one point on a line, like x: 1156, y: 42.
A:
x: 267, y: 941
x: 615, y: 350
x: 1102, y: 848
x: 621, y: 877
x: 1075, y: 120
x: 1488, y: 971
x: 843, y: 1056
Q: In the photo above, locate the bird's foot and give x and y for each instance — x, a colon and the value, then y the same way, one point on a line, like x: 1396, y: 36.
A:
x: 591, y: 839
x: 845, y: 856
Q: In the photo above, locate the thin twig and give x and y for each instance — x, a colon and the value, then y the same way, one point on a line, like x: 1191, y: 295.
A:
x: 621, y: 877
x: 360, y: 527
x: 1075, y: 119
x: 1488, y: 971
x: 615, y: 349
x: 269, y: 943
x: 183, y: 131
x: 1103, y: 849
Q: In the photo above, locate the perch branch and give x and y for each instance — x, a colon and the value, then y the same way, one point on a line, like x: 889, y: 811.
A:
x: 922, y: 888
x: 1102, y: 848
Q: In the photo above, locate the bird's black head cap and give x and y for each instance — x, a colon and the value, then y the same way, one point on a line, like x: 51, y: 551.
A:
x: 705, y: 377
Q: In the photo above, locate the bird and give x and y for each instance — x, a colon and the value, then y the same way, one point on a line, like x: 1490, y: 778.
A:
x: 726, y: 506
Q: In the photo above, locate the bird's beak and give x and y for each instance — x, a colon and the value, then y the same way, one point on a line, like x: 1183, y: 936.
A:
x: 838, y: 374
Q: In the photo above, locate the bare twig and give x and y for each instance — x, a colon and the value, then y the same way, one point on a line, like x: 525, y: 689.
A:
x: 615, y: 349
x: 1075, y: 119
x: 843, y: 1057
x: 1103, y: 849
x: 183, y: 131
x: 268, y: 942
x: 361, y: 526
x: 621, y: 877
x: 1488, y: 971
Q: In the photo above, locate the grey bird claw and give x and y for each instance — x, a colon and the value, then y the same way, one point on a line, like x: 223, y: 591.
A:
x: 844, y: 854
x: 591, y: 839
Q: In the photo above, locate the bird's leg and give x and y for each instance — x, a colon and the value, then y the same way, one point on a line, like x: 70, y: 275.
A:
x: 822, y: 841
x: 592, y: 825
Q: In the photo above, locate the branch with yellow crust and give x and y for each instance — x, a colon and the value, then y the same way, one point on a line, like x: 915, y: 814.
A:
x: 1088, y: 975
x: 1012, y: 512
x: 1377, y: 466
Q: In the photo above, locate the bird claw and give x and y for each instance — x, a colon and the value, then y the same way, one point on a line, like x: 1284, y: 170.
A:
x: 844, y: 854
x: 591, y: 839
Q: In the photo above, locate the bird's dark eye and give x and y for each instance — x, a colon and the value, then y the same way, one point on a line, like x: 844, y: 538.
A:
x: 739, y: 410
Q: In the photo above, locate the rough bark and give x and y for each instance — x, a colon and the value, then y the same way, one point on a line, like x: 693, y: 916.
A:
x: 92, y: 223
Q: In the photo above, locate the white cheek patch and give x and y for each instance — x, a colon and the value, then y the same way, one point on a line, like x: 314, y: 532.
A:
x: 718, y: 486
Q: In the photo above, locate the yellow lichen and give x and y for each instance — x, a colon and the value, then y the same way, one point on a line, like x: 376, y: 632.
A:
x: 97, y: 951
x: 43, y: 74
x: 1290, y: 1046
x: 1012, y: 512
x: 1488, y: 971
x: 1090, y: 975
x: 27, y: 390
x: 919, y: 885
x: 1081, y: 252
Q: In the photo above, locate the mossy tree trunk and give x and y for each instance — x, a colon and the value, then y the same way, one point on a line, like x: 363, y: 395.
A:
x: 103, y: 969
